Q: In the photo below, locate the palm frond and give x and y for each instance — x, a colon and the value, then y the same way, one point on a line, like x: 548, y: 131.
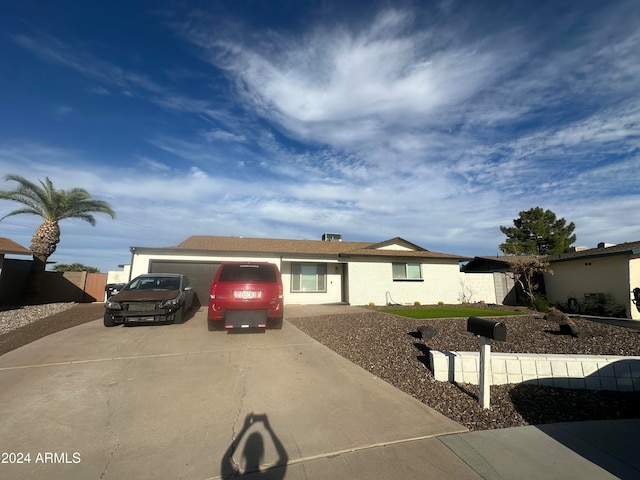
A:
x: 31, y: 194
x: 20, y: 211
x: 51, y: 204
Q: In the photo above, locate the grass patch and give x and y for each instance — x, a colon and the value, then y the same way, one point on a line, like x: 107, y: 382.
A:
x: 449, y: 312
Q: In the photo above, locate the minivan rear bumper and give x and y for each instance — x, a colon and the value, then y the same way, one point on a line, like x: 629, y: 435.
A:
x: 217, y: 312
x: 245, y: 319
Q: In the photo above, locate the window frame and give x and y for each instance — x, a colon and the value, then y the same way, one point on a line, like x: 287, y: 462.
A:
x: 407, y: 274
x: 320, y: 277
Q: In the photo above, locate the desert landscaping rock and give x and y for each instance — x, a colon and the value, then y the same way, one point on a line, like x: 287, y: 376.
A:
x: 390, y: 347
x: 16, y: 317
x: 566, y: 324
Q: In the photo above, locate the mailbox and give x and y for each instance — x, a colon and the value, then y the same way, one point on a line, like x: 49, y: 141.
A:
x: 487, y: 328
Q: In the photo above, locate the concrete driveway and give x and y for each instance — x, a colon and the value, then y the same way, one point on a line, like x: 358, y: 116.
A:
x: 178, y: 401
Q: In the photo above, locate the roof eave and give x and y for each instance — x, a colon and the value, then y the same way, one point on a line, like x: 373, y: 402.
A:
x: 594, y: 255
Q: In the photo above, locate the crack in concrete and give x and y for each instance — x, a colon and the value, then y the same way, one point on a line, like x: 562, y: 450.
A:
x: 110, y: 430
x: 234, y: 428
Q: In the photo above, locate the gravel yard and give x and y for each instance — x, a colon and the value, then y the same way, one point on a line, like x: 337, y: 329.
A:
x: 390, y: 347
x: 12, y: 318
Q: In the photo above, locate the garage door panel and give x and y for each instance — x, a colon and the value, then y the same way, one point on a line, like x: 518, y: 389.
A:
x: 200, y: 273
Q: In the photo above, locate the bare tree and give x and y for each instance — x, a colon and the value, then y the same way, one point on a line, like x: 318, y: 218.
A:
x: 528, y: 270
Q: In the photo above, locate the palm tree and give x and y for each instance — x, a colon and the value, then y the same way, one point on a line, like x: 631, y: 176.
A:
x: 52, y: 205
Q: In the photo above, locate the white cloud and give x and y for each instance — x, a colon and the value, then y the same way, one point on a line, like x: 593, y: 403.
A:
x: 53, y: 50
x: 197, y: 173
x: 63, y: 110
x: 99, y: 90
x: 218, y: 134
x: 154, y: 165
x: 128, y: 83
x: 340, y: 87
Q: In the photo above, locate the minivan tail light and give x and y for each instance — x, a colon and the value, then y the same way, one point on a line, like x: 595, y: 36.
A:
x: 212, y: 294
x: 279, y: 291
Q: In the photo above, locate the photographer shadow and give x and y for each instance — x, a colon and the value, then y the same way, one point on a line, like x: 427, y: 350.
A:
x: 246, y: 456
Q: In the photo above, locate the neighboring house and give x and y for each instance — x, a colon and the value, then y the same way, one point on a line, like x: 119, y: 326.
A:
x: 318, y: 271
x: 8, y: 246
x: 605, y: 275
x: 492, y: 278
x: 119, y: 276
x: 13, y: 273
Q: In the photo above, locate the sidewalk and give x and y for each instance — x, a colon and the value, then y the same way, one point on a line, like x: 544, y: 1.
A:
x: 576, y: 450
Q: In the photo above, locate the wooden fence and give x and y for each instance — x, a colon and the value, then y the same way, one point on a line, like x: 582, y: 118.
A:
x: 79, y: 287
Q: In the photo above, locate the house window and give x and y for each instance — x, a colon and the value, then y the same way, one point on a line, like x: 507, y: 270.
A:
x: 308, y: 277
x: 407, y: 271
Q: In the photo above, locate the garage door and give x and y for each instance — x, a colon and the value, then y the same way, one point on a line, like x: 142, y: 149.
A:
x: 200, y: 273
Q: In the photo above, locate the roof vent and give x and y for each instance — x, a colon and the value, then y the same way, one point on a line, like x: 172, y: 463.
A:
x: 331, y: 237
x: 605, y: 245
x: 578, y: 248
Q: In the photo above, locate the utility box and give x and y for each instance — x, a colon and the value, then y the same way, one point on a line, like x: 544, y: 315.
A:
x: 487, y: 328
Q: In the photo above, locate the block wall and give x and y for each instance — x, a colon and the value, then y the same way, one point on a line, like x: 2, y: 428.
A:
x: 590, y: 372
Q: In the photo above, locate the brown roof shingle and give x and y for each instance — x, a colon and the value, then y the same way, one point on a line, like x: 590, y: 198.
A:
x: 9, y: 246
x: 311, y: 247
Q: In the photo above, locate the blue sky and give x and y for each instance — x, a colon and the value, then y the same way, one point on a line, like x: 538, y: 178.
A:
x: 433, y: 121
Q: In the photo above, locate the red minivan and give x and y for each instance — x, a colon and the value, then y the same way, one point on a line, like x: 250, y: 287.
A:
x: 246, y: 295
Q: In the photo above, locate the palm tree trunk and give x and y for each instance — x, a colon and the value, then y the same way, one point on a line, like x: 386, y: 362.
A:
x: 45, y: 240
x: 43, y: 244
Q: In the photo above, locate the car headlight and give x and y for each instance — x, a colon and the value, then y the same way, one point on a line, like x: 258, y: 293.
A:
x: 113, y: 305
x: 170, y: 303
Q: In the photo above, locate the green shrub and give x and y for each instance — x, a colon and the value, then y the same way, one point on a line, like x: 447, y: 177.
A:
x: 541, y: 304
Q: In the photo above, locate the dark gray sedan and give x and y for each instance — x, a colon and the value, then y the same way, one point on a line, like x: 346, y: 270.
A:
x: 150, y: 298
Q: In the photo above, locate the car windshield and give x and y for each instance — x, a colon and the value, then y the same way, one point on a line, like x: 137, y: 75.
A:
x: 154, y: 283
x: 248, y: 273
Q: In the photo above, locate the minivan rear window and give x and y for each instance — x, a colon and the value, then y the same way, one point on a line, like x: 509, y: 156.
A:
x: 248, y: 273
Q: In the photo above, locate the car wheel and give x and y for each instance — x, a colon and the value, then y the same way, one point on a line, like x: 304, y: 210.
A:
x: 275, y: 323
x: 108, y: 320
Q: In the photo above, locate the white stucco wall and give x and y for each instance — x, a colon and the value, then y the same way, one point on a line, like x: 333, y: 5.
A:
x: 478, y: 287
x: 443, y: 282
x: 369, y: 281
x: 572, y: 279
x: 119, y: 276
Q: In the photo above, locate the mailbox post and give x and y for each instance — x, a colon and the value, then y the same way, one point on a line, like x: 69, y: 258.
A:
x: 485, y: 372
x: 487, y: 330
